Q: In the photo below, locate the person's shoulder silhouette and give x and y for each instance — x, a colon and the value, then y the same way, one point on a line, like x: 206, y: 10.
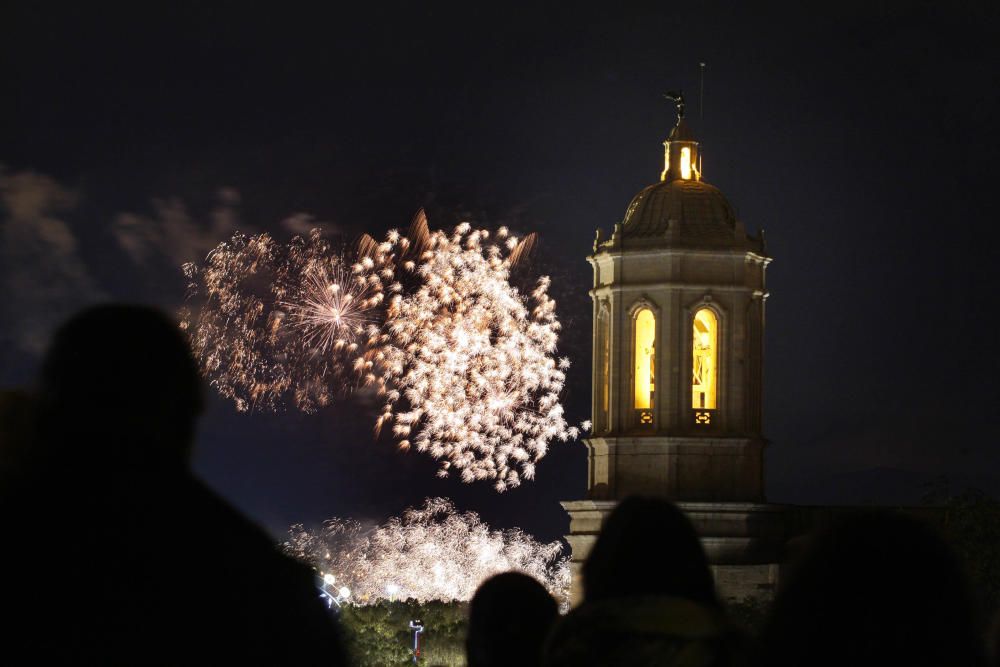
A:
x: 16, y: 435
x: 120, y: 554
x: 872, y: 587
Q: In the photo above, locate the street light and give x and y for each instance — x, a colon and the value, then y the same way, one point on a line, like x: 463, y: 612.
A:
x: 417, y: 628
x: 331, y: 599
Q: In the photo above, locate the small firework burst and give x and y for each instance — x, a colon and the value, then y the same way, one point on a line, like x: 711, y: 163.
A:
x: 265, y: 330
x: 329, y: 301
x: 333, y: 307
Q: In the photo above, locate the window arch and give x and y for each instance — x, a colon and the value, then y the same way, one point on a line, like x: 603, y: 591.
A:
x: 645, y: 359
x: 705, y: 357
x: 603, y: 367
x: 686, y: 163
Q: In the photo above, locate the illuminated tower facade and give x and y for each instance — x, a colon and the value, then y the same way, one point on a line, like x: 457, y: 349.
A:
x: 678, y: 295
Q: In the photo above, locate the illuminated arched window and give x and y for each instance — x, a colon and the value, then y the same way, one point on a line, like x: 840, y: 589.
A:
x: 645, y: 358
x: 685, y: 163
x: 705, y: 353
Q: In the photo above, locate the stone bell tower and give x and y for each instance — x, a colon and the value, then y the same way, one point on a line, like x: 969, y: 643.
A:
x: 678, y: 297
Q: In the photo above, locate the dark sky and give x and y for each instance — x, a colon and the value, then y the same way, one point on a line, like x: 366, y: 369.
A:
x: 862, y: 138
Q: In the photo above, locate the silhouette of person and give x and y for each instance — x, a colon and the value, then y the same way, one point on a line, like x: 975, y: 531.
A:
x: 509, y: 617
x: 873, y: 588
x: 649, y: 597
x: 117, y: 553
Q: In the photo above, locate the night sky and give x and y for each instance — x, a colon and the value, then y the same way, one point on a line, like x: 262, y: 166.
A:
x: 862, y: 139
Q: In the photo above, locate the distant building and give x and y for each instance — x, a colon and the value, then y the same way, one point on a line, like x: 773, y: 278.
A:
x: 679, y: 295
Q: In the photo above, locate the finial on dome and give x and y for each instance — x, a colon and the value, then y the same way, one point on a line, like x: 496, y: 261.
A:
x: 677, y: 97
x: 680, y: 155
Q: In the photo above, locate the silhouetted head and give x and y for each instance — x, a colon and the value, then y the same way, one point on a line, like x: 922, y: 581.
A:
x: 509, y: 617
x: 119, y: 386
x: 647, y: 547
x: 873, y: 588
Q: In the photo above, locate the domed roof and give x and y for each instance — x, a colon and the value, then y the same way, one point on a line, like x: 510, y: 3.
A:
x: 682, y: 212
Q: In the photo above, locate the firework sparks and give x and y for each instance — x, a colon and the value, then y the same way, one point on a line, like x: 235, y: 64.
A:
x: 332, y: 303
x: 429, y: 553
x: 233, y: 334
x: 279, y: 322
x: 468, y: 369
x: 465, y: 363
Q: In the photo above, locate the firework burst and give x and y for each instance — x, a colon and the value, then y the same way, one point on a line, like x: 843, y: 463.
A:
x: 279, y: 323
x: 331, y: 303
x: 464, y: 363
x: 234, y: 334
x: 468, y: 364
x: 429, y: 553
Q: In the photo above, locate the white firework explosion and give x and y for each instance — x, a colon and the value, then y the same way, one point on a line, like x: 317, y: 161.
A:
x: 429, y: 553
x: 468, y: 364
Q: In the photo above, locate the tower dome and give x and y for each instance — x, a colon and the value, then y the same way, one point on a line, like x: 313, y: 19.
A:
x: 682, y: 210
x: 681, y: 213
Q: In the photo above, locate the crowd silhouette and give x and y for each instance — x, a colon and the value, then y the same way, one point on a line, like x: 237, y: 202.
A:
x: 116, y: 553
x: 873, y: 588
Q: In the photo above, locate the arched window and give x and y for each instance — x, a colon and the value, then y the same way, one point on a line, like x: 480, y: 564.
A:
x: 686, y: 163
x: 705, y: 353
x: 603, y: 368
x: 645, y: 359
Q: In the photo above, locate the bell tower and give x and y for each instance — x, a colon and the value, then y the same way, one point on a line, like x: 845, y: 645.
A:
x: 678, y: 297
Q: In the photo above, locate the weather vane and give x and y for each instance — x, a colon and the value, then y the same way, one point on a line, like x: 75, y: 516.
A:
x: 677, y: 97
